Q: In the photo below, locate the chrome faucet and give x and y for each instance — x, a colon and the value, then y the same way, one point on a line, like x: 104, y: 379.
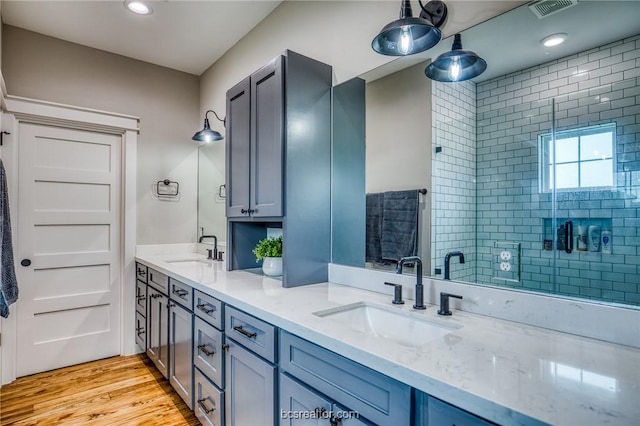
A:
x: 447, y: 260
x: 214, y: 254
x: 419, y: 287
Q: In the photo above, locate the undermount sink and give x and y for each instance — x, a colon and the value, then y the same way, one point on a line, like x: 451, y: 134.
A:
x: 402, y: 327
x: 189, y: 262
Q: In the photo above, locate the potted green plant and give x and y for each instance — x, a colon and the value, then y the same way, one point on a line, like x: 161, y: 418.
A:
x: 269, y: 251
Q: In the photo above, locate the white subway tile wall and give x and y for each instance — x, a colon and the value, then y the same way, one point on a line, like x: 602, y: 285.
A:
x: 453, y: 221
x: 594, y: 87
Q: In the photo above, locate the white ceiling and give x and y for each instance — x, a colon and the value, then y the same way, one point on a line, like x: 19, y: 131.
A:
x: 184, y: 35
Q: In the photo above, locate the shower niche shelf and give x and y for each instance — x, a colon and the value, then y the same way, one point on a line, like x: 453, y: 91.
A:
x: 571, y: 229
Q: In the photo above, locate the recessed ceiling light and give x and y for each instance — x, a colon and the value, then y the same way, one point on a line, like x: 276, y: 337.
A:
x: 553, y: 40
x: 139, y: 7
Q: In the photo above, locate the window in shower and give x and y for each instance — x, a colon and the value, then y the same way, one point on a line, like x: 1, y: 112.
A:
x: 584, y: 158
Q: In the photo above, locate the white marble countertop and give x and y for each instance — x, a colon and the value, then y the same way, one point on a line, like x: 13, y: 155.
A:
x: 503, y: 371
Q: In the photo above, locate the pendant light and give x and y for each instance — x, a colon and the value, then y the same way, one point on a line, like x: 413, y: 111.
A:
x: 207, y: 135
x: 456, y: 65
x: 409, y: 35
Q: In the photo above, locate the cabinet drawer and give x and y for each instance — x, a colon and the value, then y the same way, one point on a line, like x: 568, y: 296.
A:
x: 159, y: 281
x: 141, y: 298
x: 208, y: 308
x: 254, y: 334
x: 181, y: 293
x: 375, y: 396
x: 441, y: 413
x: 141, y: 272
x: 141, y: 331
x: 209, y: 404
x: 207, y: 350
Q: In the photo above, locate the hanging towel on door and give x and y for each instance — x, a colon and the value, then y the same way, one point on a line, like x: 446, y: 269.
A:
x: 8, y: 282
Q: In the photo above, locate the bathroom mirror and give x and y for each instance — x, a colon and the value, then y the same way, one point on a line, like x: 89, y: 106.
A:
x: 211, y: 191
x: 489, y: 178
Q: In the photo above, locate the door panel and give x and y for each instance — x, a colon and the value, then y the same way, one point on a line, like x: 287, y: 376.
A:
x: 267, y: 139
x: 250, y: 388
x: 158, y: 330
x: 180, y: 356
x: 69, y: 227
x: 237, y: 150
x: 297, y: 400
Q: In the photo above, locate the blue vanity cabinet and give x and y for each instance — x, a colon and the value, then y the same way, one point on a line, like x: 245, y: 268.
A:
x: 375, y: 397
x: 209, y: 402
x: 181, y: 340
x: 250, y: 374
x: 141, y: 306
x: 141, y: 314
x: 208, y: 359
x: 431, y: 411
x: 158, y: 320
x: 301, y: 406
x: 255, y: 138
x: 278, y: 166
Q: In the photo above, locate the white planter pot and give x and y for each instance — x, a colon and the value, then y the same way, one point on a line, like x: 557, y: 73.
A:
x: 272, y: 266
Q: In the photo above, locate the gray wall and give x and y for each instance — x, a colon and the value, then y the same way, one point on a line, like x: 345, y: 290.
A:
x: 42, y: 67
x: 398, y: 140
x: 512, y: 111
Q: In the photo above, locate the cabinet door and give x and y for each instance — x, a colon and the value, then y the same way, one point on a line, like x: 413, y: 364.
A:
x: 442, y: 414
x: 345, y: 417
x: 158, y: 330
x: 209, y: 405
x: 238, y: 145
x: 141, y: 331
x: 207, y: 353
x: 180, y: 355
x: 250, y: 388
x: 267, y: 139
x: 300, y: 406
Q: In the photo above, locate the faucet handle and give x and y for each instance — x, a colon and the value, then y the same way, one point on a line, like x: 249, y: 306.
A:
x: 444, y: 303
x: 397, y: 293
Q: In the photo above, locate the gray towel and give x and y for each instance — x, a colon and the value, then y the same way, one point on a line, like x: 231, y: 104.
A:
x: 373, y: 252
x: 8, y: 282
x: 400, y: 224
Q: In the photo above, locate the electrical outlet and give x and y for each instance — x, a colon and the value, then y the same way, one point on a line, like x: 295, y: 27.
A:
x: 505, y: 266
x: 505, y: 255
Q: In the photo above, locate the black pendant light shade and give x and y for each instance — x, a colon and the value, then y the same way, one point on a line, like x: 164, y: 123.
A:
x: 409, y: 35
x: 207, y: 135
x: 456, y: 65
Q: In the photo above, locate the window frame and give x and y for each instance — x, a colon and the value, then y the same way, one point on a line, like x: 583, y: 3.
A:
x: 544, y: 164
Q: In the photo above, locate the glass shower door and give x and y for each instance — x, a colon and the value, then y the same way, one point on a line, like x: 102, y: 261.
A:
x: 590, y: 164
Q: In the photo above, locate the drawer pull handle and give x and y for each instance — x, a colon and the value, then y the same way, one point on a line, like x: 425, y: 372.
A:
x: 141, y: 297
x: 244, y: 332
x: 204, y: 349
x: 141, y: 271
x: 140, y: 330
x: 225, y: 347
x: 180, y: 292
x: 171, y: 305
x: 204, y: 407
x: 205, y: 308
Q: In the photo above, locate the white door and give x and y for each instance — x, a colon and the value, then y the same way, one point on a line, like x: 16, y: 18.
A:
x: 68, y: 310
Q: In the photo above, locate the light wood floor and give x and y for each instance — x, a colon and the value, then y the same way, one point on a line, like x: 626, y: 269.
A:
x: 115, y: 391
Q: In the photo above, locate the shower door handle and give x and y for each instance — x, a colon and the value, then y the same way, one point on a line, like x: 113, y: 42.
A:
x: 568, y: 236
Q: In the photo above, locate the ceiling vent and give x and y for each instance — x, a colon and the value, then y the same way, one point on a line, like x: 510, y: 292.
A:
x: 544, y: 8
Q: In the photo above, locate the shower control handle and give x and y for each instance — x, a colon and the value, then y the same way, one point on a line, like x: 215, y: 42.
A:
x: 568, y: 236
